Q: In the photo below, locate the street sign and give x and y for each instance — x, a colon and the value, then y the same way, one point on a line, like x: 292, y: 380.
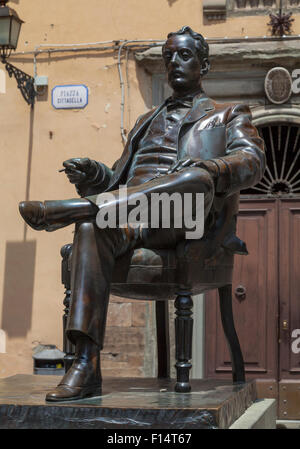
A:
x: 71, y: 96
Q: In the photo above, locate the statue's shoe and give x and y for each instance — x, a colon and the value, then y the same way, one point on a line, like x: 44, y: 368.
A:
x: 52, y: 215
x: 66, y: 393
x: 33, y: 212
x: 78, y: 383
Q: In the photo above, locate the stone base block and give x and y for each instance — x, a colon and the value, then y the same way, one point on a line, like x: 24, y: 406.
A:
x: 134, y: 403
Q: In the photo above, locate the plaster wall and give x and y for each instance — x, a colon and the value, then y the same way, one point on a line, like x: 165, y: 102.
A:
x: 34, y: 142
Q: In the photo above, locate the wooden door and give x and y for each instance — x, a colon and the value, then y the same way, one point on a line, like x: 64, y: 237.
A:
x: 289, y: 316
x: 289, y: 276
x: 268, y: 318
x: 256, y: 316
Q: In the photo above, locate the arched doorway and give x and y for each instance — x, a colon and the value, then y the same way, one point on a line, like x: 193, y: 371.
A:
x: 282, y: 174
x: 268, y: 314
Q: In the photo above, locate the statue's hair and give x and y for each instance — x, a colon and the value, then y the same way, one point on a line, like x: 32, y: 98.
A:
x: 200, y: 44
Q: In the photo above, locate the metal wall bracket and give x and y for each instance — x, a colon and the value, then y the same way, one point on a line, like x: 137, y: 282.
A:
x: 25, y: 82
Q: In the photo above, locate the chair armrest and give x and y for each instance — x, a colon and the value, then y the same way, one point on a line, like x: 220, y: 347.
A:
x: 66, y: 252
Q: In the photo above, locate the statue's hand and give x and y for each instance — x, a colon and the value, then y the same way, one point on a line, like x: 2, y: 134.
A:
x: 187, y: 162
x: 80, y: 169
x: 207, y: 165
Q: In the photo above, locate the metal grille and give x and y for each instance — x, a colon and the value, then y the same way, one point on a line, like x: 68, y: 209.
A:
x: 282, y: 174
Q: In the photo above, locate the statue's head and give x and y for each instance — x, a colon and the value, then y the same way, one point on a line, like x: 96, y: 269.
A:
x: 186, y: 58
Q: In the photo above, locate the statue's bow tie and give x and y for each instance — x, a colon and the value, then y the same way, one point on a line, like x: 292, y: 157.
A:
x: 176, y: 102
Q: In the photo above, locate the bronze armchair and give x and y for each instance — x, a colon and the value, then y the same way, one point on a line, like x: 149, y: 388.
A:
x: 193, y: 267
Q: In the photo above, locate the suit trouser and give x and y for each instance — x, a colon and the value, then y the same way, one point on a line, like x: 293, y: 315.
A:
x: 95, y: 250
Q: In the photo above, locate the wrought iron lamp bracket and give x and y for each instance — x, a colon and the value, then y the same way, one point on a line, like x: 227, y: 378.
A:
x: 25, y: 82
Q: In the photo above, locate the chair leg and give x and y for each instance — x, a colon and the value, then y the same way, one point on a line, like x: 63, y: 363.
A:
x: 68, y: 348
x: 238, y: 370
x: 183, y: 340
x: 163, y: 339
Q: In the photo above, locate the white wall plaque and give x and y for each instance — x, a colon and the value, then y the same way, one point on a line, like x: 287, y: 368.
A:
x: 278, y: 85
x: 71, y: 96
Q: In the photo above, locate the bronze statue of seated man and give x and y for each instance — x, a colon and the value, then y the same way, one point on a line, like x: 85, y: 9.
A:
x: 189, y: 144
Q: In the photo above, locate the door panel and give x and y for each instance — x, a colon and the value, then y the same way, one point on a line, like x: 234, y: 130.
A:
x: 256, y: 316
x: 289, y: 273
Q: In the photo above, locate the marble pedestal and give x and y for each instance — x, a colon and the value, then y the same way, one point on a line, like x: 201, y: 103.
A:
x: 133, y: 403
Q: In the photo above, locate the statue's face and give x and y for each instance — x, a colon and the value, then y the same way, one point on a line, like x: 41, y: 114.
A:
x: 182, y: 63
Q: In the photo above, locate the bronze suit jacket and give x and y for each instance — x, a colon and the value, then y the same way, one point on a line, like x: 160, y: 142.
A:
x: 222, y: 133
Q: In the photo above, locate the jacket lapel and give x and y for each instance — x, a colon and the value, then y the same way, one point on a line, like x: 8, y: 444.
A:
x: 126, y: 156
x: 201, y: 106
x: 144, y: 123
